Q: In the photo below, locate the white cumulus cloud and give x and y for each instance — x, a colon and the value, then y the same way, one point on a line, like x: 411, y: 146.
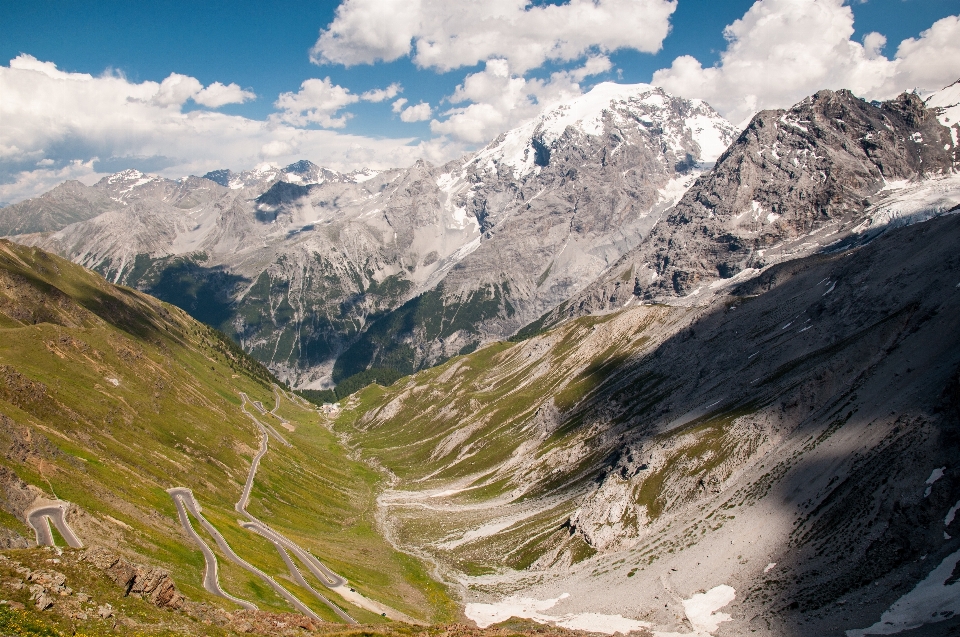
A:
x: 419, y: 113
x: 446, y: 35
x: 316, y: 102
x: 499, y: 100
x: 56, y: 125
x: 382, y: 94
x: 176, y: 89
x: 319, y: 101
x: 781, y: 51
x: 218, y: 94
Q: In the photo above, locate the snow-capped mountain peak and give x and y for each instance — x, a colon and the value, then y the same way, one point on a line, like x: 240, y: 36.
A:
x: 627, y: 107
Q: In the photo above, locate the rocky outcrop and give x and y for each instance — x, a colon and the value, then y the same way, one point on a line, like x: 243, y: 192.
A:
x: 153, y: 584
x: 16, y: 496
x: 10, y: 539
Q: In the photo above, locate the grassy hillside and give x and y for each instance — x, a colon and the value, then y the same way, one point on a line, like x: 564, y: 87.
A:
x: 109, y: 397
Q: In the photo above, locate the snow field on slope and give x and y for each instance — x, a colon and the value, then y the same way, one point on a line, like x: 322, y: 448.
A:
x: 701, y: 611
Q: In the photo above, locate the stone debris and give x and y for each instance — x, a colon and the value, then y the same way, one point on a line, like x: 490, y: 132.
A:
x: 153, y: 584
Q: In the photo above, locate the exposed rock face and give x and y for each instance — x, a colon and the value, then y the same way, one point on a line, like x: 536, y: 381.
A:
x: 153, y: 584
x: 16, y: 496
x: 10, y: 539
x: 296, y: 262
x: 793, y: 181
x: 558, y: 200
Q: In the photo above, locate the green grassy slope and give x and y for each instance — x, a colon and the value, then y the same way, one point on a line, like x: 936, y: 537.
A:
x: 109, y: 397
x: 510, y: 428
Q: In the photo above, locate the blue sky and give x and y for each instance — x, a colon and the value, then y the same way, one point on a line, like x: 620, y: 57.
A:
x: 265, y: 49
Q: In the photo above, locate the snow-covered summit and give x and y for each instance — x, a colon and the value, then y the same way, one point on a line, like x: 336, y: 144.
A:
x: 640, y: 107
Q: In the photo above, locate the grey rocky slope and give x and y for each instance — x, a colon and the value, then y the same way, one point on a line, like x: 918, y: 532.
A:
x: 307, y: 267
x: 70, y: 202
x: 794, y: 181
x: 791, y: 448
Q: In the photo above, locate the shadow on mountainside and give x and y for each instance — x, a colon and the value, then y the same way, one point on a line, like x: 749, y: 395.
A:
x: 204, y: 293
x: 849, y: 362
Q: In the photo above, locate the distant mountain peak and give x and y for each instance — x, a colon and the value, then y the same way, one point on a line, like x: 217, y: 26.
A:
x: 221, y: 176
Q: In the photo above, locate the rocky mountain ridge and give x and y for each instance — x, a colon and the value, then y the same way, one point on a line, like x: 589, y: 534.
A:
x: 829, y: 170
x: 300, y: 264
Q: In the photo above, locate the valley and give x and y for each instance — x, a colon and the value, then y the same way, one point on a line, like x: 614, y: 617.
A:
x: 623, y: 369
x: 639, y: 451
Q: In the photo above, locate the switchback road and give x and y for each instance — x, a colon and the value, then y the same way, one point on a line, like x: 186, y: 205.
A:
x: 38, y: 518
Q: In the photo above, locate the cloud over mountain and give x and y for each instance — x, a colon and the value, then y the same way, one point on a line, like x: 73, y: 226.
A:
x: 56, y: 125
x: 783, y: 50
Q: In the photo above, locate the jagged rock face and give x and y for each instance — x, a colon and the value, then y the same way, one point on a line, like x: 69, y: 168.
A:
x: 793, y: 181
x: 296, y: 262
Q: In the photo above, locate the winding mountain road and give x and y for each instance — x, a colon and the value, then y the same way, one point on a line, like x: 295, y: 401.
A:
x: 186, y: 500
x: 282, y: 544
x: 187, y: 505
x: 39, y: 519
x: 262, y: 425
x: 182, y: 498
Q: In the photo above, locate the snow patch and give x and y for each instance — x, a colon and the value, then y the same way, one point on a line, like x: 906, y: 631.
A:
x: 932, y: 600
x: 527, y: 608
x: 769, y: 567
x: 707, y: 135
x: 701, y: 610
x: 935, y: 475
x: 674, y: 189
x: 948, y: 100
x: 461, y: 219
x: 916, y: 202
x: 795, y: 123
x: 947, y: 521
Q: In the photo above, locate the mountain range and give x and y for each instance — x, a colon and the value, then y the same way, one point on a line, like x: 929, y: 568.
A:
x: 729, y: 402
x: 322, y: 275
